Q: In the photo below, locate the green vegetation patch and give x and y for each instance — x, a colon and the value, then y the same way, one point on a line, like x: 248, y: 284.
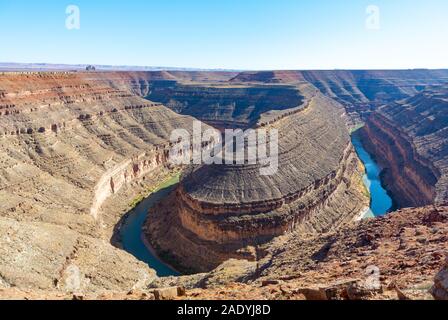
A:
x: 171, y: 180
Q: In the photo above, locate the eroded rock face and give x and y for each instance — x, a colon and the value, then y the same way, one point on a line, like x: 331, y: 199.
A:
x: 75, y: 149
x: 48, y: 257
x: 410, y: 140
x: 360, y: 91
x: 221, y: 212
x: 225, y: 106
x: 74, y: 152
x: 393, y: 257
x: 440, y: 288
x: 76, y: 140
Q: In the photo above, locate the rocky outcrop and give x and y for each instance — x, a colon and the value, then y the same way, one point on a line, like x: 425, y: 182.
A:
x: 47, y: 257
x: 393, y: 257
x: 226, y: 211
x: 440, y: 288
x: 405, y: 247
x: 409, y: 140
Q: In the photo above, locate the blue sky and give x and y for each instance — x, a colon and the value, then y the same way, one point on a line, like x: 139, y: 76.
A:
x: 233, y: 34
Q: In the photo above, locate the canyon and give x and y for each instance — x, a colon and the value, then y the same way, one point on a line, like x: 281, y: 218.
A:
x: 74, y: 154
x: 226, y: 211
x: 79, y: 149
x: 360, y: 91
x: 410, y: 139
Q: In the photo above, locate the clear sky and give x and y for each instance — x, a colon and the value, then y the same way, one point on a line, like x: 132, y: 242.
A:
x: 232, y: 34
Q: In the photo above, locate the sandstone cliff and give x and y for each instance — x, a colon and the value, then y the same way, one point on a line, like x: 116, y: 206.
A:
x: 225, y: 105
x: 409, y: 139
x: 74, y: 153
x: 360, y: 91
x: 221, y: 212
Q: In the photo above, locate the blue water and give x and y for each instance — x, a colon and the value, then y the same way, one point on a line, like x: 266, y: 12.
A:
x: 380, y: 203
x: 131, y: 233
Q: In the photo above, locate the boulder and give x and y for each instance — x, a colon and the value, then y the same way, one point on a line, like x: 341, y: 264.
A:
x: 266, y: 283
x: 335, y: 291
x: 169, y: 293
x: 313, y: 293
x: 362, y: 291
x: 440, y: 288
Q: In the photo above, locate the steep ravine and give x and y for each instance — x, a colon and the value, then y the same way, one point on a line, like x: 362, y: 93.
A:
x: 380, y: 201
x: 74, y: 153
x: 78, y: 149
x: 130, y: 229
x: 408, y: 179
x: 224, y: 211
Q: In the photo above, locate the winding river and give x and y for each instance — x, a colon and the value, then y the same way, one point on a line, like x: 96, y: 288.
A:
x: 380, y: 201
x: 131, y: 231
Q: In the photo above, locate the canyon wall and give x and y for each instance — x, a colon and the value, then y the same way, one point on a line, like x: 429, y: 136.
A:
x: 225, y: 211
x: 74, y: 153
x: 409, y: 140
x: 359, y: 91
x: 405, y: 112
x: 77, y: 148
x: 225, y: 106
x: 79, y: 135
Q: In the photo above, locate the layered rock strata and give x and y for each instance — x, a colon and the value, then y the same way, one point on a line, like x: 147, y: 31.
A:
x: 226, y: 211
x: 410, y: 141
x: 76, y: 148
x: 74, y: 153
x: 405, y: 250
x: 225, y: 106
x: 360, y: 91
x: 393, y: 257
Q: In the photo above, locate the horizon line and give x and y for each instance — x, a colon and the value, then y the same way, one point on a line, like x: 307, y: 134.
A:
x: 148, y: 68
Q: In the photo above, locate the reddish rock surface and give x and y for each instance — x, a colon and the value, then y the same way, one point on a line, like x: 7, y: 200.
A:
x: 410, y: 141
